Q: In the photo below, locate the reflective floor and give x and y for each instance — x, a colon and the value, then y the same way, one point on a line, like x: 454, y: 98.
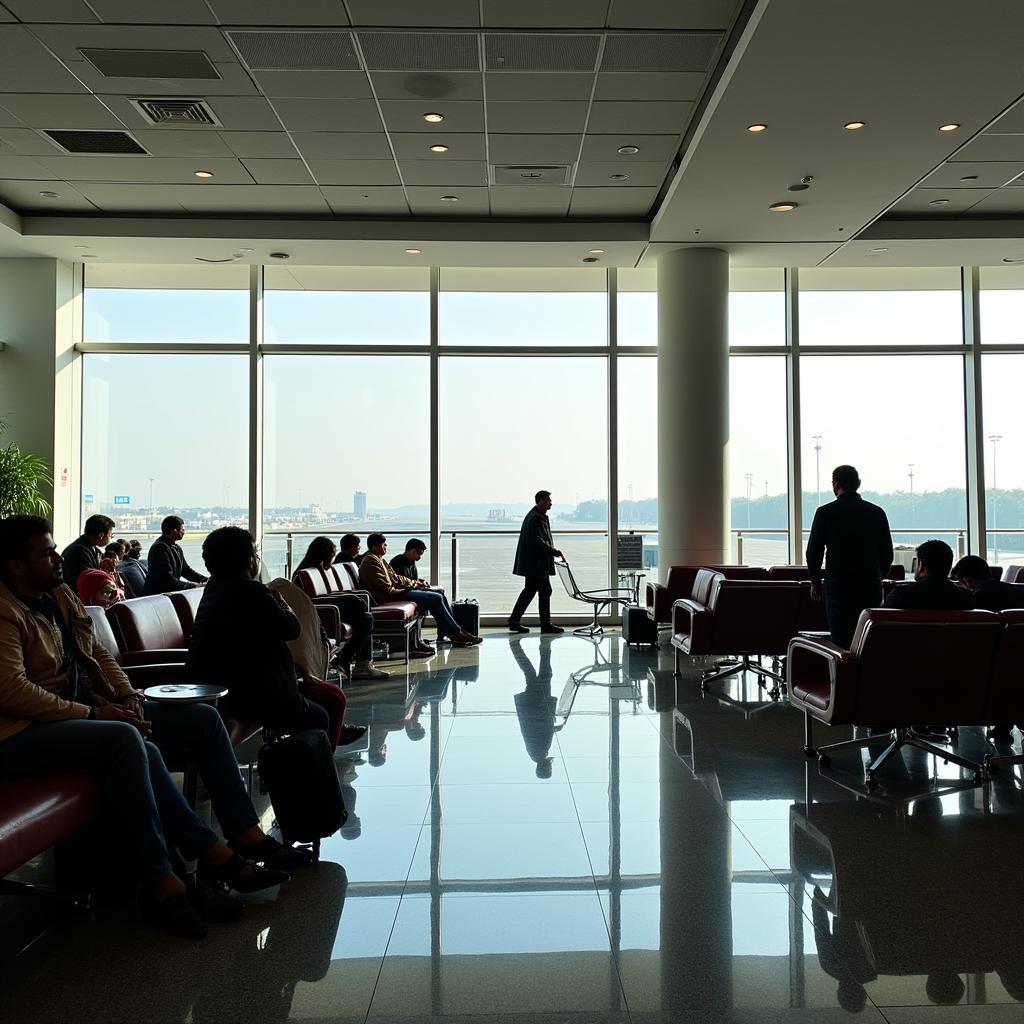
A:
x: 549, y: 830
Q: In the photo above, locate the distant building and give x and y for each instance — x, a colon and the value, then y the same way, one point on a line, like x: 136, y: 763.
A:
x: 359, y: 504
x: 497, y: 515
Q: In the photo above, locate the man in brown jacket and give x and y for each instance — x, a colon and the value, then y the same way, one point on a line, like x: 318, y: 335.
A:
x: 66, y: 706
x: 384, y: 584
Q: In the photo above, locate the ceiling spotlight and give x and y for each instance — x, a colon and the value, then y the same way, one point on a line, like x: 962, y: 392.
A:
x: 783, y: 207
x: 877, y: 250
x: 938, y: 202
x: 439, y: 149
x: 628, y: 150
x: 246, y: 250
x: 88, y: 255
x: 755, y: 128
x: 596, y: 252
x: 414, y: 252
x: 50, y: 195
x: 433, y: 118
x: 83, y: 246
x: 449, y: 199
x: 969, y: 177
x: 617, y: 177
x: 1013, y: 259
x: 280, y: 255
x: 951, y: 127
x: 204, y: 174
x: 852, y: 126
x: 589, y: 259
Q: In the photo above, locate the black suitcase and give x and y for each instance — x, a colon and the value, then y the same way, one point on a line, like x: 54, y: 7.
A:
x: 467, y: 615
x: 298, y: 772
x: 637, y: 627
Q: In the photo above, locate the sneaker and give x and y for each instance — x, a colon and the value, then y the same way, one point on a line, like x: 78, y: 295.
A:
x: 242, y: 875
x: 367, y: 670
x: 517, y: 627
x: 551, y: 628
x: 214, y: 902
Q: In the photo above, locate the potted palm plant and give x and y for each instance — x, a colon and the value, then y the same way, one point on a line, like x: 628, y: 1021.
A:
x: 23, y: 478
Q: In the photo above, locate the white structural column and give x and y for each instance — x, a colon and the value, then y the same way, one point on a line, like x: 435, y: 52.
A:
x: 693, y: 407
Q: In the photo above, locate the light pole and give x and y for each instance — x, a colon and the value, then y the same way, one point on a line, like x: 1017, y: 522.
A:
x: 151, y: 479
x: 750, y: 482
x: 817, y: 465
x: 995, y: 439
x: 913, y: 510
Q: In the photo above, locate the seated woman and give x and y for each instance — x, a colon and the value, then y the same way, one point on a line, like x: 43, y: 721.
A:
x: 131, y: 568
x: 98, y: 587
x: 354, y: 660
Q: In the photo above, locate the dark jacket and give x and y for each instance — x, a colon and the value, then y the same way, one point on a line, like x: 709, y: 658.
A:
x: 240, y: 640
x: 932, y: 592
x: 168, y: 569
x: 404, y: 567
x: 855, y: 535
x: 80, y: 555
x: 134, y: 573
x: 535, y: 553
x: 997, y: 596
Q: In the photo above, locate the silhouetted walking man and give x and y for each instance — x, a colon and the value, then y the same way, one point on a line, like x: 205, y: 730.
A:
x: 535, y: 560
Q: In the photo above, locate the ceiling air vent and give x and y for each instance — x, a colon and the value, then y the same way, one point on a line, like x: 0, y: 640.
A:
x: 296, y: 50
x: 420, y: 51
x: 669, y: 51
x: 173, y: 110
x: 108, y: 143
x: 538, y: 52
x: 151, y: 63
x: 521, y: 174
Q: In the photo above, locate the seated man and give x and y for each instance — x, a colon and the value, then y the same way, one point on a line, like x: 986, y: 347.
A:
x: 168, y: 569
x: 66, y: 706
x: 348, y: 549
x: 973, y: 573
x: 384, y: 584
x: 932, y: 587
x: 133, y: 569
x: 405, y: 564
x: 86, y: 552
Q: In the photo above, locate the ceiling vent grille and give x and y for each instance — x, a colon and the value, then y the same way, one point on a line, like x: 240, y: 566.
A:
x: 523, y: 174
x: 420, y: 51
x: 675, y: 51
x: 291, y: 50
x: 176, y: 111
x: 107, y: 143
x: 183, y: 64
x: 538, y: 52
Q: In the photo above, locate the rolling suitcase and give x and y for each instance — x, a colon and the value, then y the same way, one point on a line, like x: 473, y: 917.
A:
x: 298, y: 772
x: 637, y: 627
x: 467, y: 615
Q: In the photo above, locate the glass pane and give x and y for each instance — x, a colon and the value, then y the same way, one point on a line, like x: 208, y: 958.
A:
x: 909, y: 450
x: 637, y: 306
x: 143, y: 303
x: 358, y: 463
x: 509, y: 427
x: 880, y: 307
x: 1004, y: 458
x: 638, y: 442
x: 1001, y: 305
x: 523, y: 307
x: 347, y: 305
x: 163, y: 434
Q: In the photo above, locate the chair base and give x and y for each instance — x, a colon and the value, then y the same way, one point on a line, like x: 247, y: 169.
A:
x: 995, y: 761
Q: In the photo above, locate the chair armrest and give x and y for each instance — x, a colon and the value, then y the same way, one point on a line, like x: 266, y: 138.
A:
x: 330, y: 619
x: 812, y: 661
x: 610, y: 590
x: 142, y: 676
x: 156, y: 656
x: 659, y: 606
x: 695, y: 620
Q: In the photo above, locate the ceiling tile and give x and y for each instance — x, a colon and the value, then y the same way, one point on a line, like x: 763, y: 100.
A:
x: 355, y: 172
x: 407, y: 115
x: 270, y: 12
x: 8, y: 120
x: 680, y: 14
x: 652, y: 147
x: 416, y: 146
x: 140, y: 169
x: 68, y: 12
x: 649, y: 85
x: 235, y: 113
x: 534, y: 149
x: 536, y: 118
x: 233, y: 81
x: 12, y: 166
x: 639, y: 174
x: 508, y: 85
x: 920, y: 200
x: 323, y: 115
x: 28, y: 67
x: 56, y: 111
x: 979, y: 175
x: 426, y: 201
x: 24, y: 195
x: 445, y: 173
x: 1003, y: 201
x: 278, y: 172
x: 984, y: 148
x: 347, y: 200
x: 122, y: 198
x: 262, y: 199
x: 543, y: 14
x: 611, y: 202
x: 259, y: 144
x: 5, y: 15
x: 182, y: 143
x: 608, y: 118
x: 26, y: 142
x: 153, y: 12
x: 331, y: 84
x: 530, y: 200
x: 66, y: 41
x: 434, y: 86
x: 409, y: 13
x: 343, y: 145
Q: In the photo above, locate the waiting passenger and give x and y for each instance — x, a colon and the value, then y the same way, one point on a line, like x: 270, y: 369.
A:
x: 98, y: 587
x: 355, y: 659
x: 348, y: 549
x: 405, y: 564
x: 133, y: 569
x: 168, y: 569
x: 86, y: 552
x: 973, y: 573
x: 384, y: 584
x: 66, y: 706
x: 932, y: 587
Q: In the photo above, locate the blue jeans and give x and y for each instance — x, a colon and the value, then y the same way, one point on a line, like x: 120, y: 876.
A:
x: 436, y: 603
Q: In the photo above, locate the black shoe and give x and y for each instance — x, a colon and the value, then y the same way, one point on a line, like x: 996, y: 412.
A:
x: 551, y: 628
x: 517, y: 627
x: 175, y: 915
x: 214, y: 903
x: 271, y: 854
x: 242, y: 875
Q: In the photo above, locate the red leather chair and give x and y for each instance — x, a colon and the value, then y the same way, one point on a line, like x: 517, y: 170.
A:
x: 1013, y: 574
x: 186, y: 604
x: 789, y: 572
x: 896, y: 572
x: 903, y: 667
x: 148, y: 630
x: 679, y: 585
x: 1006, y: 697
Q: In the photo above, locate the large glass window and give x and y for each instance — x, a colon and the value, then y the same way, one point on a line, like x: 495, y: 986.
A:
x: 346, y: 449
x: 1004, y: 457
x: 888, y: 306
x: 346, y: 305
x: 1001, y: 304
x: 166, y: 434
x: 638, y: 451
x: 511, y: 426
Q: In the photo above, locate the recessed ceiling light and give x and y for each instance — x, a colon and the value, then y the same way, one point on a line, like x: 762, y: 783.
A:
x: 246, y: 250
x: 433, y: 118
x: 439, y: 149
x: 938, y: 202
x: 852, y: 126
x: 755, y: 128
x: 50, y: 195
x: 414, y: 252
x: 88, y: 255
x: 204, y: 174
x: 628, y: 150
x: 1013, y: 259
x: 280, y: 255
x: 449, y: 199
x: 783, y: 207
x: 589, y: 259
x: 969, y: 177
x: 617, y: 177
x: 951, y: 127
x: 83, y: 246
x: 596, y: 252
x: 876, y: 251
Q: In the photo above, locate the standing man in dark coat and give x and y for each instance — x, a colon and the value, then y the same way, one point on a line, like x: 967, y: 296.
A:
x: 535, y: 560
x: 86, y: 552
x: 855, y: 534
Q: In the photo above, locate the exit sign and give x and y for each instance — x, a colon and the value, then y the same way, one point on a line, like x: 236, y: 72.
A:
x: 122, y: 499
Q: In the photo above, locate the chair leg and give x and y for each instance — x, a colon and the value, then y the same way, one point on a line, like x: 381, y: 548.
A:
x: 675, y: 662
x: 994, y: 761
x: 809, y: 735
x: 914, y: 740
x: 859, y: 742
x: 725, y: 673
